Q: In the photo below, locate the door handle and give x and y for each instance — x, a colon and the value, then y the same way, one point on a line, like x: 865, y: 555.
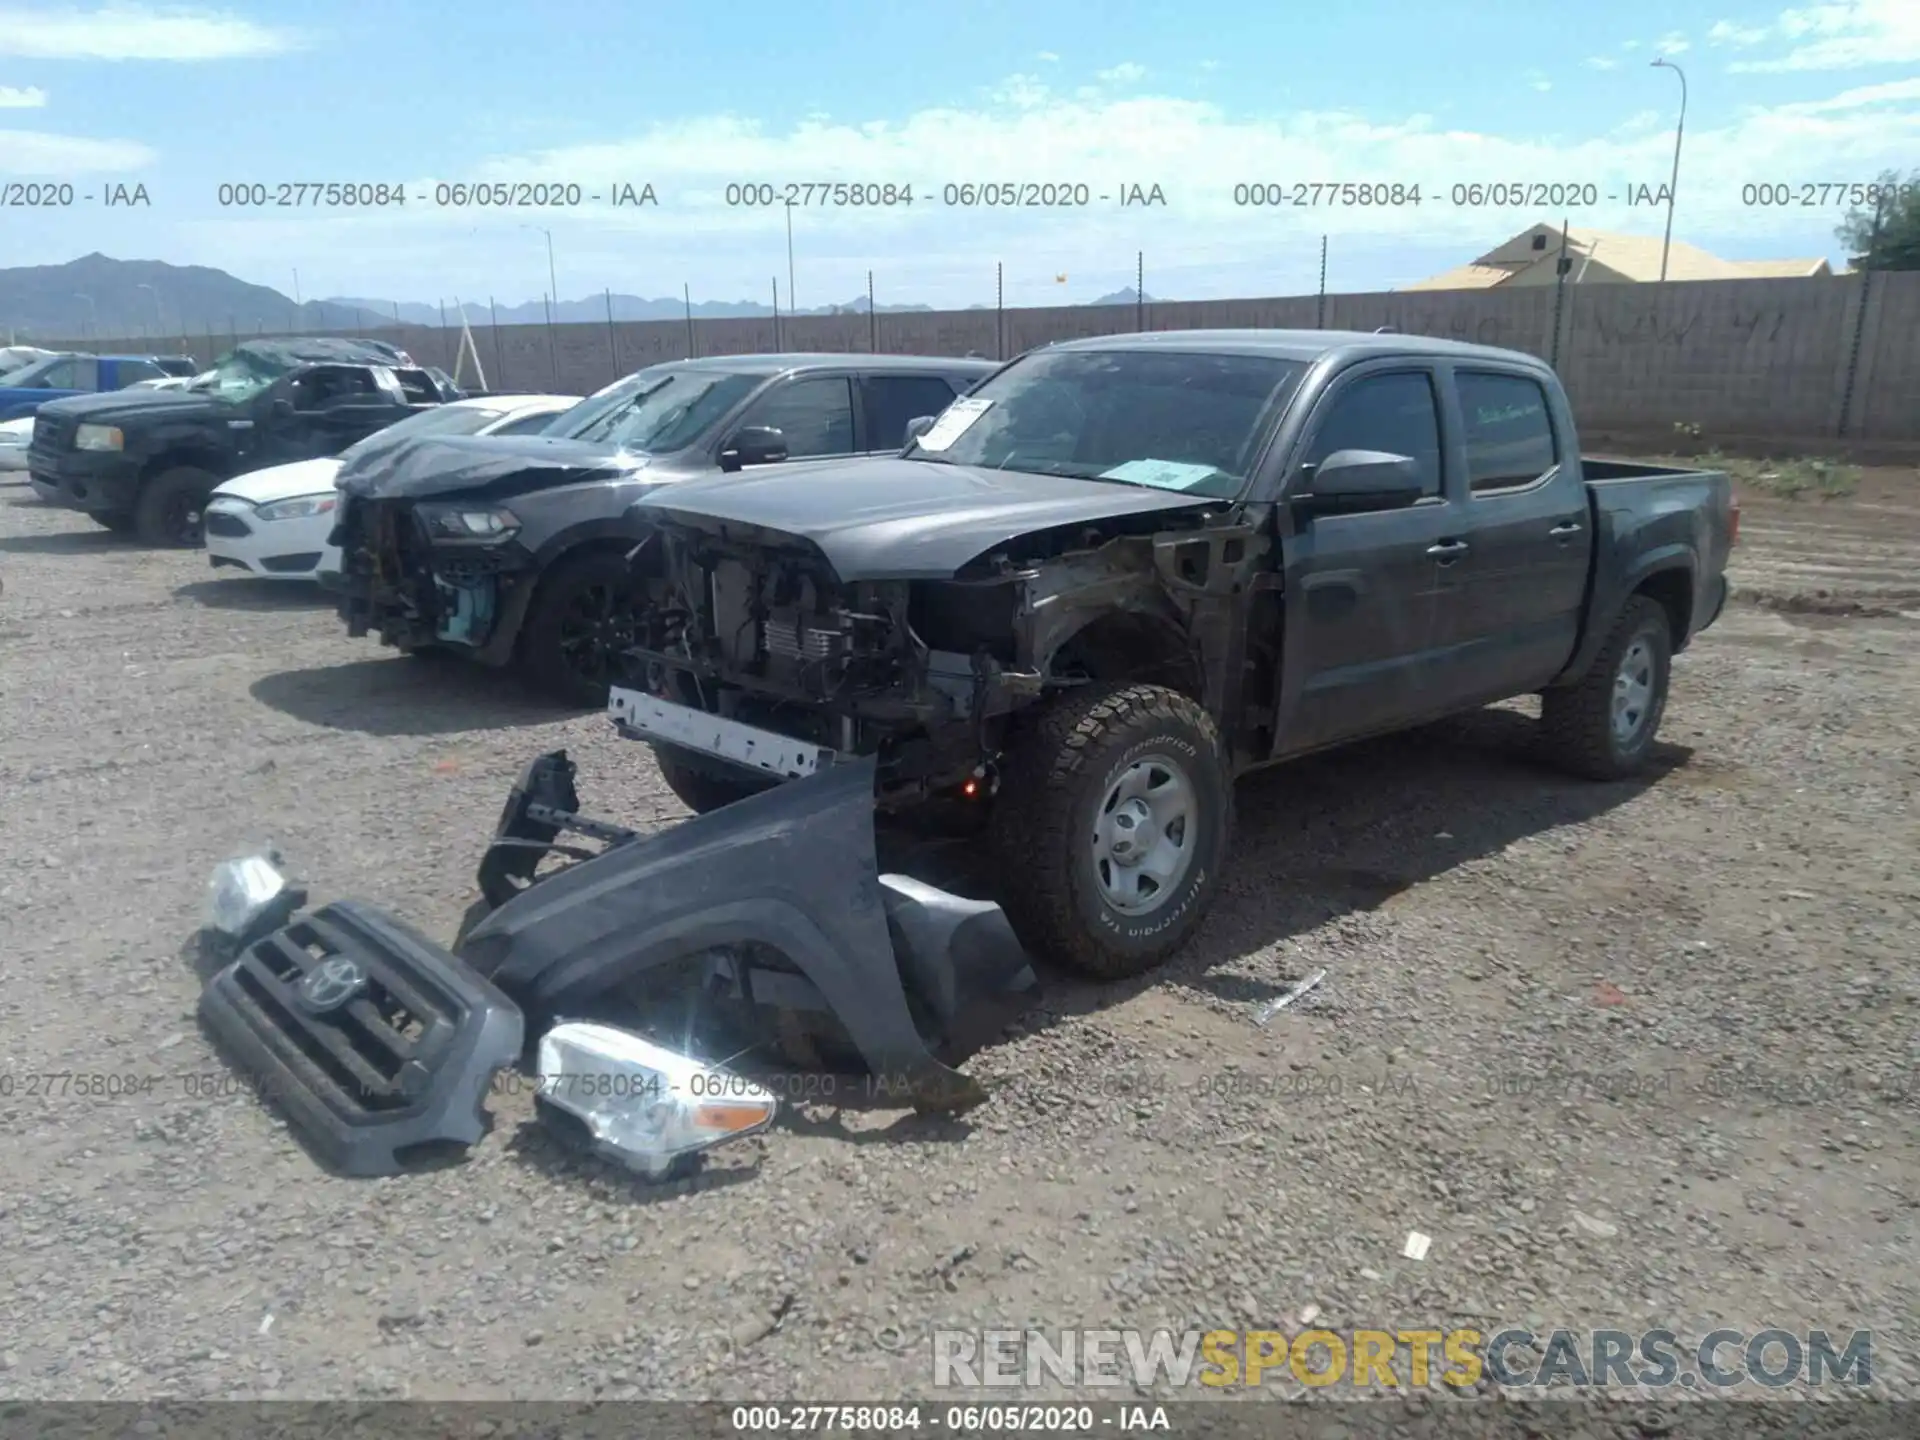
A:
x: 1567, y: 527
x: 1448, y: 549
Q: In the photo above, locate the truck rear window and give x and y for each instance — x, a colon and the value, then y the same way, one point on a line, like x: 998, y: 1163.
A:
x: 1509, y: 431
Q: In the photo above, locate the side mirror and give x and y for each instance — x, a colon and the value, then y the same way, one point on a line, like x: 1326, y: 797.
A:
x: 1364, y: 480
x: 916, y: 427
x: 753, y: 445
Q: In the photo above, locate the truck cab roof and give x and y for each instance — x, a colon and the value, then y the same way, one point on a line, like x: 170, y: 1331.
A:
x: 1300, y: 345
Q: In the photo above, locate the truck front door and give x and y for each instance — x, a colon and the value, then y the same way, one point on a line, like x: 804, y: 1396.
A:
x: 1366, y: 594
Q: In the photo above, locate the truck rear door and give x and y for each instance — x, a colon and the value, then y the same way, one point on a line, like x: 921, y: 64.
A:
x: 1523, y: 576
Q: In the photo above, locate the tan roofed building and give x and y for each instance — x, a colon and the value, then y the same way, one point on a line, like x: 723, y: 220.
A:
x: 1604, y: 256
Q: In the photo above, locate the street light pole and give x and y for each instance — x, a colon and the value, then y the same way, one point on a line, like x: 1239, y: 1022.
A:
x: 790, y: 309
x: 92, y: 309
x: 1679, y: 129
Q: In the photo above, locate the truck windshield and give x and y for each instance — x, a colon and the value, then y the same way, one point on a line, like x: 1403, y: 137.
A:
x: 29, y: 373
x: 1167, y: 419
x: 441, y: 420
x: 660, y: 409
x: 237, y: 377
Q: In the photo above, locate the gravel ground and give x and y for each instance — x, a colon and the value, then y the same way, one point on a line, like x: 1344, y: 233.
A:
x: 1537, y: 992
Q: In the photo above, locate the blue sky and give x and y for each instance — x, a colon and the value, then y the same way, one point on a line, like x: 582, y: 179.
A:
x: 1194, y: 97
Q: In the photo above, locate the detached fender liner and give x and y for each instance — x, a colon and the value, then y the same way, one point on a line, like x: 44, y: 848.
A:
x: 376, y: 1042
x: 793, y: 868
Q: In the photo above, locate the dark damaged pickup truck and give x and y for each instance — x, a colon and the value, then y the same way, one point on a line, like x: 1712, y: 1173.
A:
x: 1124, y: 571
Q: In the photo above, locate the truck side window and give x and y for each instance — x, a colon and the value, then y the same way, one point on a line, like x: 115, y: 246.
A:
x: 815, y: 414
x: 893, y: 400
x: 81, y: 372
x: 131, y: 372
x: 1509, y: 432
x: 1396, y: 413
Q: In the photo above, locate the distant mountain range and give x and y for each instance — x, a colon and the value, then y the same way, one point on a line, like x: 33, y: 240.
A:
x: 98, y: 295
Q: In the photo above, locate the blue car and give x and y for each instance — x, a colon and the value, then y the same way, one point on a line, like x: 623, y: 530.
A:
x: 59, y: 376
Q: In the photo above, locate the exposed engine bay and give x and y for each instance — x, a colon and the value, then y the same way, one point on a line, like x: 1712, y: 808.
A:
x: 756, y: 627
x: 402, y: 587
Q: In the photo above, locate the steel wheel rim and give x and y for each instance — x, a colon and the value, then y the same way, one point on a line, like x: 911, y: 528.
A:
x: 594, y: 628
x: 1632, y: 692
x: 1144, y: 834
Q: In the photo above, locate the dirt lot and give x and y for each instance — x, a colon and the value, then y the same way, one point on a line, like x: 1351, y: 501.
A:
x: 1631, y: 1055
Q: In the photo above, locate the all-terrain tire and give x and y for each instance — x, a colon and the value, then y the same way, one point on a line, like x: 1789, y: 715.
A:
x: 573, y: 668
x: 1062, y: 762
x: 701, y: 787
x: 1577, y: 729
x: 167, y: 514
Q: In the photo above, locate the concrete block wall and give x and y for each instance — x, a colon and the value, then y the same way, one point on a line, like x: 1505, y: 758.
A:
x: 1806, y: 361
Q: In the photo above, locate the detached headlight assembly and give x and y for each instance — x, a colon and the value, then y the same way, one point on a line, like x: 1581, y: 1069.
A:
x: 300, y: 507
x: 99, y: 437
x: 249, y: 897
x: 468, y: 522
x: 646, y: 1107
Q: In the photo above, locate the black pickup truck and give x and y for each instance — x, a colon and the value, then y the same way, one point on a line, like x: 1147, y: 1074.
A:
x: 1122, y: 572
x: 145, y: 461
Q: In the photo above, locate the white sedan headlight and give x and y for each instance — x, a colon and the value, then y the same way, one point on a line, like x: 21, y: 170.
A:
x: 99, y: 437
x: 300, y: 507
x: 646, y: 1107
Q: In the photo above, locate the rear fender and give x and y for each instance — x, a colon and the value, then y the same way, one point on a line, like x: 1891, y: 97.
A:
x: 793, y: 868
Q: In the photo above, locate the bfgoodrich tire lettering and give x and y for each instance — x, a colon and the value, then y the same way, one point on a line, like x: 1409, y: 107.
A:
x: 1063, y: 766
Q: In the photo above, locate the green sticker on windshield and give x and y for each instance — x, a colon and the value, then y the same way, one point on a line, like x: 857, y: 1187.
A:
x: 1161, y: 474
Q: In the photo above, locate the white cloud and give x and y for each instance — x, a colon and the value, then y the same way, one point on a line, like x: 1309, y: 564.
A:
x: 1602, y: 62
x: 136, y: 32
x: 1672, y: 43
x: 1629, y: 44
x: 13, y: 97
x: 62, y: 157
x: 1726, y: 32
x: 1209, y: 64
x: 1125, y: 73
x: 1539, y: 81
x: 1048, y: 56
x: 1024, y: 132
x: 1843, y: 36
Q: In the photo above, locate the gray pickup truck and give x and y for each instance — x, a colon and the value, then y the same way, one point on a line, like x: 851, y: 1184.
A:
x: 1124, y: 571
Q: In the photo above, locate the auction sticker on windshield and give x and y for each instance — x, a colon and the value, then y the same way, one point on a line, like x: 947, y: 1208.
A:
x: 954, y: 422
x: 1161, y: 474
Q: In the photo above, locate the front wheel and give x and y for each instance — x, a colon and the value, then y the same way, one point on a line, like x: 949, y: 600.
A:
x: 168, y: 511
x: 1604, y: 726
x: 1111, y: 824
x: 583, y: 617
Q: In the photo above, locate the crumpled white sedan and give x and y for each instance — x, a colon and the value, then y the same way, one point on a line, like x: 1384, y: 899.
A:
x: 274, y: 523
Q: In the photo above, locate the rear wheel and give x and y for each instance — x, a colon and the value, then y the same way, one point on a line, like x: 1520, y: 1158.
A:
x: 169, y: 508
x: 701, y: 786
x: 583, y: 617
x: 1604, y: 726
x: 1111, y: 825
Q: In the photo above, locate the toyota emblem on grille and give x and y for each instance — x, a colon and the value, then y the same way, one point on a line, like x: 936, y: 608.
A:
x: 331, y: 984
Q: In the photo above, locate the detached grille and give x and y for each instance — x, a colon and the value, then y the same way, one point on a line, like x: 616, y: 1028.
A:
x: 376, y: 1041
x: 368, y: 1055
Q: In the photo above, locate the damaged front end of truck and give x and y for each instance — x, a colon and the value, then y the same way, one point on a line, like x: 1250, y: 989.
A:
x: 434, y: 552
x: 760, y: 639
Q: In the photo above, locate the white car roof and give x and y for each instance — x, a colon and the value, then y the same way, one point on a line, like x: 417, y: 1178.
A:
x: 516, y: 402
